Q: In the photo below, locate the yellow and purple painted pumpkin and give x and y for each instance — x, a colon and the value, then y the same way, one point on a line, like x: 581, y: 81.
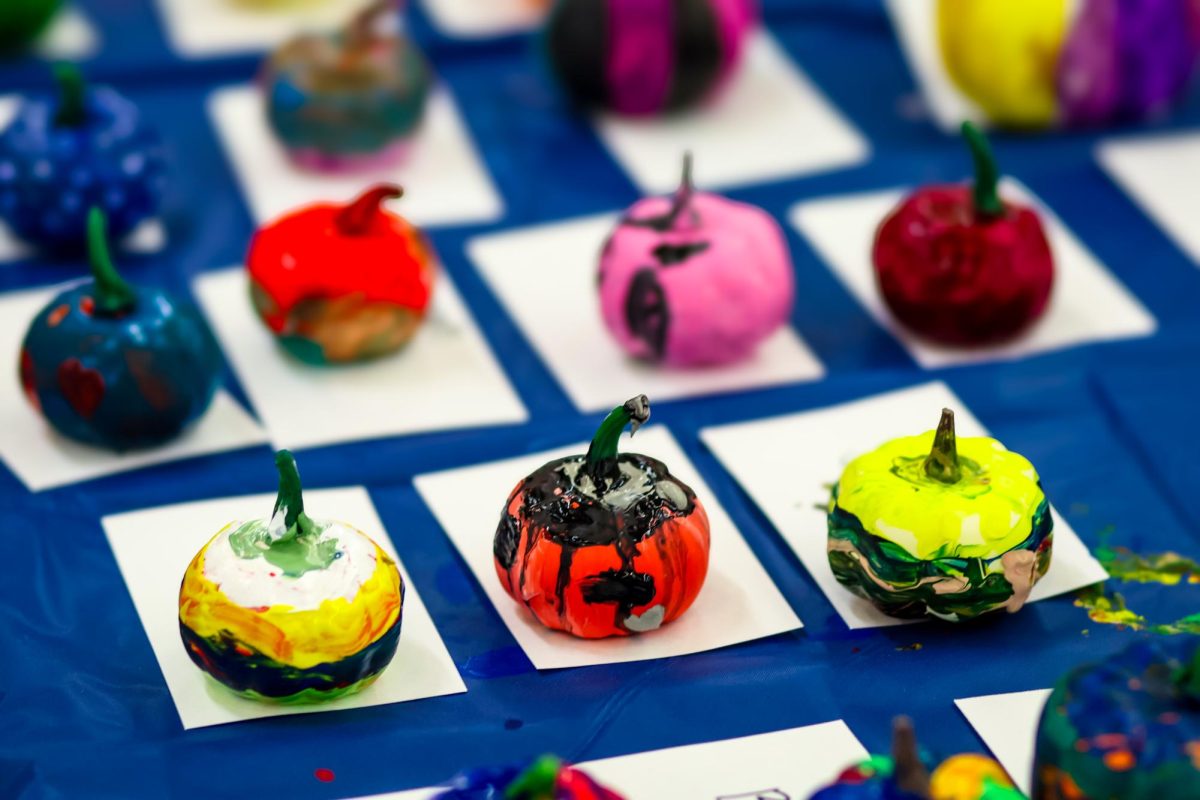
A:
x: 1127, y: 728
x: 646, y: 56
x: 291, y: 610
x: 1032, y: 63
x: 933, y: 525
x: 696, y: 279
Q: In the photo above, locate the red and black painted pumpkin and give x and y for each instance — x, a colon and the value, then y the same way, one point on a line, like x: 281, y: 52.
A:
x: 604, y: 544
x: 646, y: 56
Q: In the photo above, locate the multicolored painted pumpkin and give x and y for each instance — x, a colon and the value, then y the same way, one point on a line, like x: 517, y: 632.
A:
x: 959, y: 265
x: 938, y: 526
x: 646, y: 56
x: 604, y: 544
x: 1032, y: 63
x: 342, y: 282
x: 291, y: 610
x: 1127, y: 728
x: 905, y: 775
x: 547, y: 778
x: 695, y: 279
x: 116, y: 366
x: 351, y: 99
x: 22, y: 20
x: 64, y: 154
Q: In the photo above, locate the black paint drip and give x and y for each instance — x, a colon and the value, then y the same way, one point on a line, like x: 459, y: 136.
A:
x: 554, y: 508
x: 672, y: 255
x: 646, y: 311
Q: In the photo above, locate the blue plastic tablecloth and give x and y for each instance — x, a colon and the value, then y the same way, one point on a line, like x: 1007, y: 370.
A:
x: 84, y: 711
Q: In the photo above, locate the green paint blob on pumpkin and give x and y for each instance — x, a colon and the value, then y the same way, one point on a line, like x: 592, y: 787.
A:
x: 934, y: 525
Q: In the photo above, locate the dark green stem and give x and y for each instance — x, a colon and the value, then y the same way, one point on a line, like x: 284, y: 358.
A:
x: 683, y: 195
x: 908, y: 771
x: 942, y: 463
x: 112, y: 294
x: 537, y: 782
x: 355, y: 219
x: 603, y: 451
x: 988, y: 204
x: 72, y: 110
x: 291, y: 495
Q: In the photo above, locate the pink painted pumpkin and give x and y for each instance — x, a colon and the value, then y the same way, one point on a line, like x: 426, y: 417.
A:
x: 696, y: 279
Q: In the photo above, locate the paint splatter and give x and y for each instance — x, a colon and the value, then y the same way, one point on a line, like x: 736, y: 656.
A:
x: 324, y: 775
x: 1126, y: 566
x: 910, y: 648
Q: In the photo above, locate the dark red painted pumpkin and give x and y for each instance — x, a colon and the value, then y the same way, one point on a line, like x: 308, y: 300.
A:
x: 604, y: 544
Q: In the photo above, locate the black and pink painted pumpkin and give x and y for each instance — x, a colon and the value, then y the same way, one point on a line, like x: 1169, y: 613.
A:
x: 603, y: 544
x: 695, y: 279
x: 646, y: 56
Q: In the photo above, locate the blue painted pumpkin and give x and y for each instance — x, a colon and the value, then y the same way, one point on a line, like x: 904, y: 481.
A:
x: 116, y: 366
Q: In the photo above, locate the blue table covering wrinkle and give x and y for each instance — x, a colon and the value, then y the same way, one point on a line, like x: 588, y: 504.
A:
x: 84, y: 711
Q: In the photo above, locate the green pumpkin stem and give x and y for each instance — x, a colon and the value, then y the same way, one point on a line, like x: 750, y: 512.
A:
x: 355, y: 219
x: 988, y: 204
x: 537, y: 782
x: 942, y: 462
x: 908, y: 771
x: 291, y: 496
x: 602, y: 454
x: 72, y: 93
x: 112, y: 294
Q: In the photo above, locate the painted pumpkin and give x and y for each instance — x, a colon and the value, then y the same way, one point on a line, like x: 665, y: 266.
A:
x: 1127, y: 728
x: 63, y: 154
x: 1032, y: 63
x: 931, y: 525
x: 604, y: 544
x: 547, y: 778
x: 116, y: 366
x: 348, y: 100
x: 959, y: 265
x: 695, y: 279
x: 342, y: 282
x: 289, y: 609
x: 21, y: 21
x: 646, y: 56
x: 905, y: 775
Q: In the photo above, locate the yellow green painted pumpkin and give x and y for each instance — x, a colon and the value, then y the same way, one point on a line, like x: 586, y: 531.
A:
x: 932, y: 525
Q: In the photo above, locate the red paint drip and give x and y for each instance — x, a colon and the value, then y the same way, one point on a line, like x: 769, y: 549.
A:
x: 324, y: 775
x: 87, y: 305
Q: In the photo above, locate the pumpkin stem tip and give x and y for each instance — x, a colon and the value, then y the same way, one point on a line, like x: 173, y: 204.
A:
x: 942, y: 463
x: 908, y: 771
x: 985, y: 191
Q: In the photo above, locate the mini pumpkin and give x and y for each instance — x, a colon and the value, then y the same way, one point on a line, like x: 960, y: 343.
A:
x: 696, y: 279
x: 546, y: 778
x: 1127, y: 728
x: 117, y: 366
x: 905, y: 775
x: 351, y: 99
x: 933, y: 525
x: 604, y: 544
x: 290, y: 609
x: 340, y: 282
x: 646, y: 56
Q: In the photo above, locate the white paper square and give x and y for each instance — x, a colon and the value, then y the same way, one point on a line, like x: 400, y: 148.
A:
x: 199, y: 28
x: 782, y: 765
x: 472, y: 19
x: 787, y: 464
x: 149, y: 237
x: 445, y: 378
x: 70, y: 37
x: 445, y: 181
x: 546, y: 278
x: 1088, y: 303
x: 1160, y: 173
x: 915, y: 22
x: 739, y: 602
x: 1008, y: 725
x: 153, y: 548
x: 771, y: 122
x: 43, y: 459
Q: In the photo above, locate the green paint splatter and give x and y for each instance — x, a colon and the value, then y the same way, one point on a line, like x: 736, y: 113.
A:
x: 1126, y: 566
